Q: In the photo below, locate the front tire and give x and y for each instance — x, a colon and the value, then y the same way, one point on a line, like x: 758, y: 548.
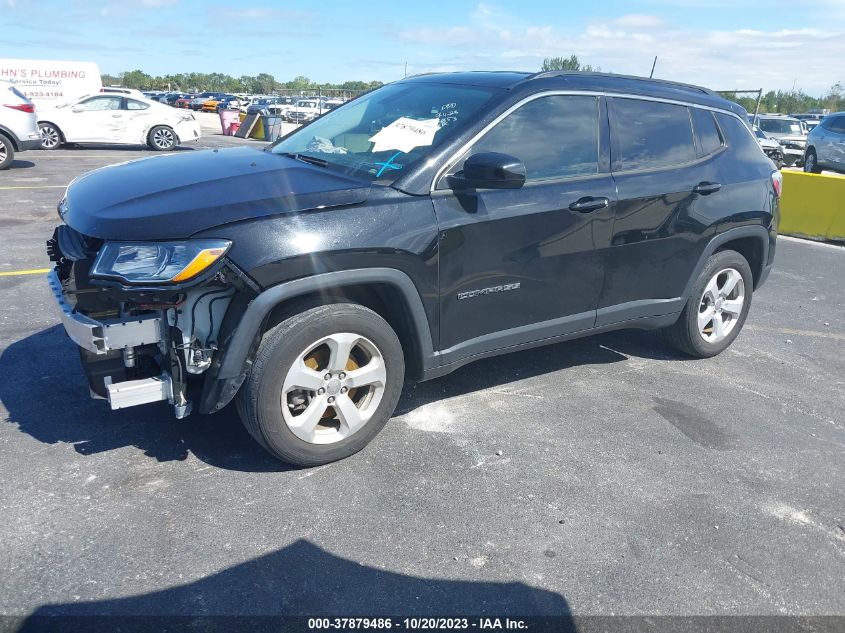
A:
x: 811, y: 162
x: 7, y: 152
x: 161, y: 138
x: 51, y: 136
x: 323, y: 384
x: 716, y: 309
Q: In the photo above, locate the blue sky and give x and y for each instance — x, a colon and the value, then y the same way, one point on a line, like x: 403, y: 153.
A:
x: 727, y: 45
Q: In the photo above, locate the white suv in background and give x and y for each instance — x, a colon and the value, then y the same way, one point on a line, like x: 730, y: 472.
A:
x: 18, y: 124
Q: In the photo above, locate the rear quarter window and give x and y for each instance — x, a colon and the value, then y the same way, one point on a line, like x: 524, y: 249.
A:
x: 649, y: 135
x: 739, y: 138
x: 709, y: 139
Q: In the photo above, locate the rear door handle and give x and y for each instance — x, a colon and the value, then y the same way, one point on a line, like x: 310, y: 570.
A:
x: 706, y: 188
x: 589, y: 204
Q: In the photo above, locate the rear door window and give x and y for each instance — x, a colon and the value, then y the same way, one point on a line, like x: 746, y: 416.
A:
x: 649, y: 135
x: 709, y: 140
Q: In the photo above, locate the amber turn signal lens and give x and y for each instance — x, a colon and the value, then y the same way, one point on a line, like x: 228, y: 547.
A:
x: 201, y: 262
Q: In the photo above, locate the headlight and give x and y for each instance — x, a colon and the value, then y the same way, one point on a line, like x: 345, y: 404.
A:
x: 157, y: 262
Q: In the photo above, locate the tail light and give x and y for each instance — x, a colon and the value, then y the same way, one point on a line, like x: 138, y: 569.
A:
x: 777, y: 183
x: 23, y: 107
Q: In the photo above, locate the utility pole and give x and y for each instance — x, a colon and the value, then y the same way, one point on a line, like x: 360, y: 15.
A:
x: 406, y: 69
x: 652, y: 67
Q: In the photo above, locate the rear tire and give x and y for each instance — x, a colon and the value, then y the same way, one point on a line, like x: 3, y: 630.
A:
x: 716, y: 309
x: 324, y: 382
x: 7, y: 152
x: 162, y: 138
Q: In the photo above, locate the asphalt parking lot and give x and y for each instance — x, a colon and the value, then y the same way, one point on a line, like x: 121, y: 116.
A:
x: 601, y: 476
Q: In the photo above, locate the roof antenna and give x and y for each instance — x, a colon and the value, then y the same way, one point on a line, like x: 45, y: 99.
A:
x: 652, y: 67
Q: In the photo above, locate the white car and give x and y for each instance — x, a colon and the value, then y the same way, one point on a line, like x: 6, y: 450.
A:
x: 18, y: 124
x: 305, y: 110
x: 114, y: 118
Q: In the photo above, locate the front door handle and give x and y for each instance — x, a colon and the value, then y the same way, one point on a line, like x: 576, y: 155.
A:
x: 706, y: 188
x: 589, y: 204
x: 116, y: 116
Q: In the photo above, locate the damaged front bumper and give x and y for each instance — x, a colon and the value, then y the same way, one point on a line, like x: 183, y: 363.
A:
x: 145, y: 344
x: 109, y: 340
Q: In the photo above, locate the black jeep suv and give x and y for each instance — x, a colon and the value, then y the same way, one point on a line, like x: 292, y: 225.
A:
x: 436, y: 221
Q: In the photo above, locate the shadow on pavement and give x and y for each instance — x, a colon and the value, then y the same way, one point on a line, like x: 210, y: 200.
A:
x: 21, y: 164
x: 44, y: 390
x: 304, y: 580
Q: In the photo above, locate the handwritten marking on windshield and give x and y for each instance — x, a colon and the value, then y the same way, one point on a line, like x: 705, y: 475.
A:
x: 388, y: 164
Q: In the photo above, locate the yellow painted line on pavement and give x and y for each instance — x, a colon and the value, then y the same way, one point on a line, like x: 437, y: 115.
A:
x: 31, y: 271
x: 35, y: 187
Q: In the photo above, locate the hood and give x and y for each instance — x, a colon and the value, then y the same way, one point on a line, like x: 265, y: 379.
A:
x: 177, y: 195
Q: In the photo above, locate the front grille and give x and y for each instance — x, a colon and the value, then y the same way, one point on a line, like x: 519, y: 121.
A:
x: 69, y: 245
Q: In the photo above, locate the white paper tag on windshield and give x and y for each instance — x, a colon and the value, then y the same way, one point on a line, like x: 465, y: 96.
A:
x: 405, y: 134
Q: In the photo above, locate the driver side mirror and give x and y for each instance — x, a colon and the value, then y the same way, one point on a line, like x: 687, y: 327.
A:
x: 77, y: 108
x: 490, y: 170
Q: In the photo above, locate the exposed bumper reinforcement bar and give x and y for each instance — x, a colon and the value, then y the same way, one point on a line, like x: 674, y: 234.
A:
x: 100, y: 337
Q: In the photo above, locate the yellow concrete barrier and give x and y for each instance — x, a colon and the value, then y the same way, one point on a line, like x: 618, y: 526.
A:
x: 813, y: 206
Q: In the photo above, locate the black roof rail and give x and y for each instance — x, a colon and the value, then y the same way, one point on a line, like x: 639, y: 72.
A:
x: 579, y: 73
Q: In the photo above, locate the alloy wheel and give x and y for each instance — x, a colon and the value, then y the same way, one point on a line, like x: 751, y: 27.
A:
x: 721, y: 305
x: 163, y: 138
x: 333, y: 388
x: 49, y: 137
x: 4, y: 152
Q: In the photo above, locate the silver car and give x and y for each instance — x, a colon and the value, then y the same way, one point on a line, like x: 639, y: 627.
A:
x: 18, y: 124
x: 826, y: 145
x: 788, y: 132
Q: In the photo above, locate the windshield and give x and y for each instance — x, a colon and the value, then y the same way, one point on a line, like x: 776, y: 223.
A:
x: 780, y: 126
x: 383, y: 132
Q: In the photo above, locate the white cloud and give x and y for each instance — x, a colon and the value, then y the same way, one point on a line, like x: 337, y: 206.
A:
x: 721, y: 59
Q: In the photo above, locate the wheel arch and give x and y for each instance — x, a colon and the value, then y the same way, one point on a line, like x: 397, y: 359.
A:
x: 55, y: 125
x: 13, y: 139
x: 752, y: 242
x: 387, y: 291
x: 149, y: 131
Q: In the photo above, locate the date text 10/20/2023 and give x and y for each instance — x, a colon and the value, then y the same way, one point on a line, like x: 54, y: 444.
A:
x: 414, y: 624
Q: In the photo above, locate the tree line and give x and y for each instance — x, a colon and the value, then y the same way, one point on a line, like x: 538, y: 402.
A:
x: 783, y: 101
x: 793, y: 101
x: 263, y: 83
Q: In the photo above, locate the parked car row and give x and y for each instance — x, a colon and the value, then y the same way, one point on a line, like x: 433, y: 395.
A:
x: 292, y: 109
x: 112, y: 116
x: 813, y: 141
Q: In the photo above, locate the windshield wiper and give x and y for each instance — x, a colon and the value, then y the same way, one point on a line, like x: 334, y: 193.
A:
x: 312, y: 160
